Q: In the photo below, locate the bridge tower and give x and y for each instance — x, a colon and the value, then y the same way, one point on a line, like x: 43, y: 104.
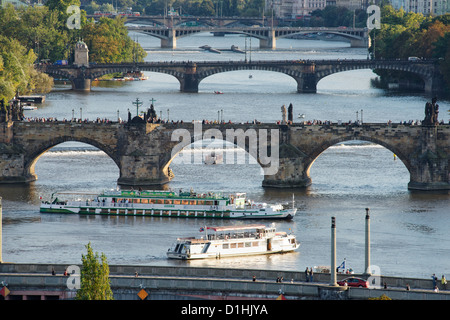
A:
x: 81, y: 61
x: 430, y: 164
x: 81, y: 54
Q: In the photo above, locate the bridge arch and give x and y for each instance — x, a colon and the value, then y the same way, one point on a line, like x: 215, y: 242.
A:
x: 251, y: 79
x: 317, y: 151
x: 210, y: 152
x: 423, y: 72
x: 33, y: 155
x: 253, y: 144
x: 296, y: 75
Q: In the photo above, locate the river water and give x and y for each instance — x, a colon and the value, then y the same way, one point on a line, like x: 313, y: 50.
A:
x: 409, y: 230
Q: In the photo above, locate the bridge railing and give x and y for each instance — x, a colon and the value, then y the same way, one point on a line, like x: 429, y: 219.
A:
x: 253, y: 62
x: 226, y: 124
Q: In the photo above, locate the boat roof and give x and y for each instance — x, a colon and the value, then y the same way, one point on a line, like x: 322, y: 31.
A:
x: 233, y: 228
x: 76, y: 193
x: 165, y: 194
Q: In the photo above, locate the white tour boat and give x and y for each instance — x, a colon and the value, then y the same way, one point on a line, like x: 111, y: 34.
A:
x: 254, y: 239
x: 166, y: 204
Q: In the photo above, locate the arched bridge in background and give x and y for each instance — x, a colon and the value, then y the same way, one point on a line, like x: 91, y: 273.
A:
x: 267, y: 36
x: 306, y: 73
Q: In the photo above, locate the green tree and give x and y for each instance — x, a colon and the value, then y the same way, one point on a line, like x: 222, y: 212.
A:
x: 94, y: 277
x: 411, y: 34
x: 442, y: 51
x: 17, y: 72
x: 37, y: 28
x: 108, y: 41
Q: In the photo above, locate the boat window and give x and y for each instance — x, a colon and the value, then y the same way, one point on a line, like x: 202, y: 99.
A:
x: 225, y: 246
x: 201, y: 202
x: 168, y: 201
x: 192, y: 202
x: 209, y: 203
x: 144, y: 200
x: 232, y: 245
x: 160, y: 201
x: 151, y: 201
x: 176, y: 201
x: 184, y: 201
x: 248, y: 244
x: 205, y: 248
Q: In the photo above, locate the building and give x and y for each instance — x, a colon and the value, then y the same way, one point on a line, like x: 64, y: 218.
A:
x: 426, y: 7
x: 15, y: 3
x: 295, y: 8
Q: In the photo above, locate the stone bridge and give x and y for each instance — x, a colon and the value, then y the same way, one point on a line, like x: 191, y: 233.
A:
x: 305, y: 72
x: 143, y: 151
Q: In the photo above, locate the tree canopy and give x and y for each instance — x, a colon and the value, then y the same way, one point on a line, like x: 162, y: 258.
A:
x: 108, y: 41
x: 17, y: 73
x: 403, y: 35
x: 33, y: 34
x: 94, y: 277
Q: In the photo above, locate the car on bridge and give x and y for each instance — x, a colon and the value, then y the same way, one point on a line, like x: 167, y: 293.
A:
x: 354, y: 282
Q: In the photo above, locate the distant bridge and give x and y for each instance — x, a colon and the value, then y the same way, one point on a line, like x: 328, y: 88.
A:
x: 267, y: 36
x: 187, y: 20
x: 306, y: 73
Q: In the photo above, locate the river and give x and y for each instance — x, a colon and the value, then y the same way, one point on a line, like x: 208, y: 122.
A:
x: 409, y: 230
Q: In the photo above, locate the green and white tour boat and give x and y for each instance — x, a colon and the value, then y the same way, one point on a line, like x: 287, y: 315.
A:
x: 166, y: 204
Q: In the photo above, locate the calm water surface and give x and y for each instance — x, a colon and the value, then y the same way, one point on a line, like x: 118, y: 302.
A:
x: 409, y: 230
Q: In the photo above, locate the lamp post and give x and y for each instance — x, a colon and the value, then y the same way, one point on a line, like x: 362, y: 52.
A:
x: 333, y: 253
x: 367, y: 244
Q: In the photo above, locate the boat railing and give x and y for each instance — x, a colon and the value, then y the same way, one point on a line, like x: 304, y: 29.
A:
x: 231, y: 235
x: 96, y: 203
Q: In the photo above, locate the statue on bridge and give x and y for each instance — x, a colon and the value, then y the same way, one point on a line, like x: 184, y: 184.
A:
x: 4, y: 117
x: 283, y: 114
x: 290, y: 114
x: 431, y: 113
x: 12, y: 111
x: 151, y: 114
